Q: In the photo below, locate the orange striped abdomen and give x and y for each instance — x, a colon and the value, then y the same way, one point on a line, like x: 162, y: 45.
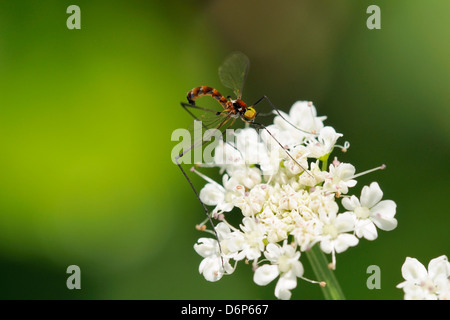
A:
x: 199, y: 92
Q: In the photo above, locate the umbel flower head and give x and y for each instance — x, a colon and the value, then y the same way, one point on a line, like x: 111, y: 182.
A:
x: 290, y: 198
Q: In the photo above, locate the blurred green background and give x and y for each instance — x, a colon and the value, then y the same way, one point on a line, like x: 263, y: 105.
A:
x: 86, y: 118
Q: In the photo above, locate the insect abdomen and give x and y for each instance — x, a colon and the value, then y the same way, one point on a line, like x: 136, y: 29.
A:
x: 199, y: 92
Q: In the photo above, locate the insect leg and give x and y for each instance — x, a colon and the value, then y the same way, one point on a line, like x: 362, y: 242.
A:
x: 187, y: 105
x: 203, y: 205
x: 181, y: 154
x: 261, y: 126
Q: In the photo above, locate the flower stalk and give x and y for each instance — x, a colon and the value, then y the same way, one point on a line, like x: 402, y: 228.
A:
x: 320, y: 266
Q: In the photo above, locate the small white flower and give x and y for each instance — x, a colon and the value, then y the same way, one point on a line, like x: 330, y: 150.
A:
x: 214, y: 265
x: 284, y: 263
x: 322, y: 145
x: 213, y: 194
x: 300, y: 164
x: 307, y: 233
x: 248, y: 177
x: 250, y: 242
x: 371, y: 212
x: 314, y: 177
x: 334, y: 233
x: 423, y: 284
x: 275, y: 228
x: 251, y: 202
x: 335, y: 237
x: 340, y: 178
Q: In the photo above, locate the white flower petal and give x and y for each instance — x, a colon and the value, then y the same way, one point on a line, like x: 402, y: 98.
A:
x: 351, y: 183
x: 385, y: 209
x: 211, y: 268
x: 414, y: 292
x: 287, y: 282
x: 413, y: 270
x: 383, y: 214
x: 297, y: 268
x: 223, y: 207
x: 439, y: 266
x: 344, y: 222
x: 365, y: 228
x: 347, y: 171
x: 206, y: 247
x: 265, y: 274
x: 371, y: 195
x: 351, y: 203
x: 326, y: 245
x: 344, y: 241
x: 223, y: 231
x: 212, y: 194
x: 385, y: 224
x: 273, y: 251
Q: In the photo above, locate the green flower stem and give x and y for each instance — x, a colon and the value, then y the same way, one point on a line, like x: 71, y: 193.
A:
x: 324, y: 160
x: 319, y: 263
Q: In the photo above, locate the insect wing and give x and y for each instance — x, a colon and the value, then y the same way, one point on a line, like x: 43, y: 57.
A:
x: 199, y: 130
x: 233, y: 72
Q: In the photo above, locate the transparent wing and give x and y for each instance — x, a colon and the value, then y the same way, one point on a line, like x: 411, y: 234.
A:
x: 204, y: 119
x: 233, y: 72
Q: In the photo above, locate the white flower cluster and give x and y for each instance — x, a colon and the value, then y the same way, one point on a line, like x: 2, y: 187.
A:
x: 423, y: 284
x: 289, y: 199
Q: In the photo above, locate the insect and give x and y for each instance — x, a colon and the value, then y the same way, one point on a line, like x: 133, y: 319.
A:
x: 232, y: 74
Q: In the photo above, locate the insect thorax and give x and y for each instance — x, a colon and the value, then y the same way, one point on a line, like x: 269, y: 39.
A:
x: 238, y: 106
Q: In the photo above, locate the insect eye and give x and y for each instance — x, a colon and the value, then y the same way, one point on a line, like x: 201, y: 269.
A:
x: 250, y: 113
